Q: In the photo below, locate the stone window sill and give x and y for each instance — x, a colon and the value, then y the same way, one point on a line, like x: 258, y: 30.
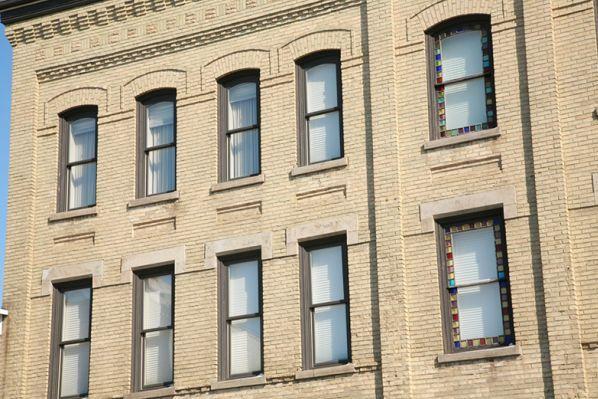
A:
x: 154, y: 199
x: 464, y: 138
x: 239, y: 383
x: 348, y: 368
x: 481, y: 354
x: 159, y: 393
x: 238, y: 183
x: 77, y: 213
x: 319, y: 167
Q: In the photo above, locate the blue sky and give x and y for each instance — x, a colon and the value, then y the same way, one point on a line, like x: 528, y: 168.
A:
x: 5, y: 76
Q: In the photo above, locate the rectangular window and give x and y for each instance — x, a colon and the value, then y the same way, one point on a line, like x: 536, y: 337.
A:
x: 240, y: 317
x: 156, y: 169
x: 240, y: 126
x: 325, y: 304
x: 463, y: 78
x: 71, y: 340
x: 154, y: 329
x: 319, y: 108
x: 78, y: 142
x: 475, y: 284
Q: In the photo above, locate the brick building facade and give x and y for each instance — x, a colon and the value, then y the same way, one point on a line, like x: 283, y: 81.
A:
x: 433, y: 147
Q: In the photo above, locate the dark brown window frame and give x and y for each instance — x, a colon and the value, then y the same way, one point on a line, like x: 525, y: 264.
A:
x: 301, y: 65
x: 138, y: 331
x: 143, y: 102
x: 482, y: 19
x: 307, y: 333
x: 65, y: 119
x: 443, y: 274
x: 56, y: 334
x: 224, y: 319
x: 228, y: 81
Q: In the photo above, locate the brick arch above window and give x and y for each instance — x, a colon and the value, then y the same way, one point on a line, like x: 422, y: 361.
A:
x: 74, y: 98
x: 151, y: 81
x: 428, y: 17
x: 342, y: 40
x: 227, y: 64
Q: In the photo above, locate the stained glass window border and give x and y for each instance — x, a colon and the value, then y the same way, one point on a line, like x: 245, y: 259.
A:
x: 439, y: 86
x: 508, y: 338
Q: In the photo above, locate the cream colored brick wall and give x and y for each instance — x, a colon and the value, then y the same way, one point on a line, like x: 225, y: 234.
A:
x: 108, y: 53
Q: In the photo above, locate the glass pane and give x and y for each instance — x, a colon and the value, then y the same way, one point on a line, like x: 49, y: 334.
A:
x: 244, y: 155
x: 242, y: 106
x: 161, y: 170
x: 245, y: 346
x: 157, y: 298
x: 480, y: 312
x: 243, y: 289
x: 330, y: 334
x: 82, y: 185
x: 465, y: 104
x: 157, y: 358
x: 160, y: 124
x: 75, y: 314
x: 82, y: 139
x: 324, y: 137
x: 462, y: 55
x: 75, y: 369
x: 326, y: 267
x: 474, y: 256
x: 321, y: 87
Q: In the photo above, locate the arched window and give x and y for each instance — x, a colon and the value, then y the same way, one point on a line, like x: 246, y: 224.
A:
x: 319, y: 108
x: 239, y: 121
x: 462, y: 77
x: 156, y: 143
x: 78, y: 159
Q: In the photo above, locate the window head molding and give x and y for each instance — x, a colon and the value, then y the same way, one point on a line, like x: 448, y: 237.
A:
x: 93, y: 270
x: 71, y: 99
x: 261, y: 242
x: 453, y: 82
x: 239, y: 138
x: 345, y: 224
x: 133, y: 263
x: 156, y: 143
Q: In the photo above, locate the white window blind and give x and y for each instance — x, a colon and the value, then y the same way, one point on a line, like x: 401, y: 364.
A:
x: 243, y: 289
x: 321, y: 87
x: 242, y: 106
x: 75, y: 317
x: 161, y: 163
x: 82, y: 177
x: 480, y: 312
x: 244, y: 145
x: 245, y: 346
x: 465, y: 103
x: 157, y: 301
x: 74, y: 369
x: 324, y: 137
x: 462, y: 55
x: 244, y: 153
x: 327, y: 282
x: 330, y: 333
x: 157, y: 357
x: 474, y: 256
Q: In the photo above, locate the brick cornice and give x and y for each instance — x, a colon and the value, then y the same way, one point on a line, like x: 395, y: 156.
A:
x: 196, y: 39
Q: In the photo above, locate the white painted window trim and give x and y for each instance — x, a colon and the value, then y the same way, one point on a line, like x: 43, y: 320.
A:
x: 347, y: 224
x: 56, y: 274
x: 130, y: 263
x: 505, y: 197
x: 228, y: 246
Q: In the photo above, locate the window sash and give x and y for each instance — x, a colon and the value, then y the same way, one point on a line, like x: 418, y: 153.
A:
x: 59, y: 344
x: 140, y: 332
x: 226, y: 132
x: 225, y: 351
x: 304, y: 115
x: 438, y: 84
x: 145, y: 149
x: 310, y: 308
x: 454, y: 342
